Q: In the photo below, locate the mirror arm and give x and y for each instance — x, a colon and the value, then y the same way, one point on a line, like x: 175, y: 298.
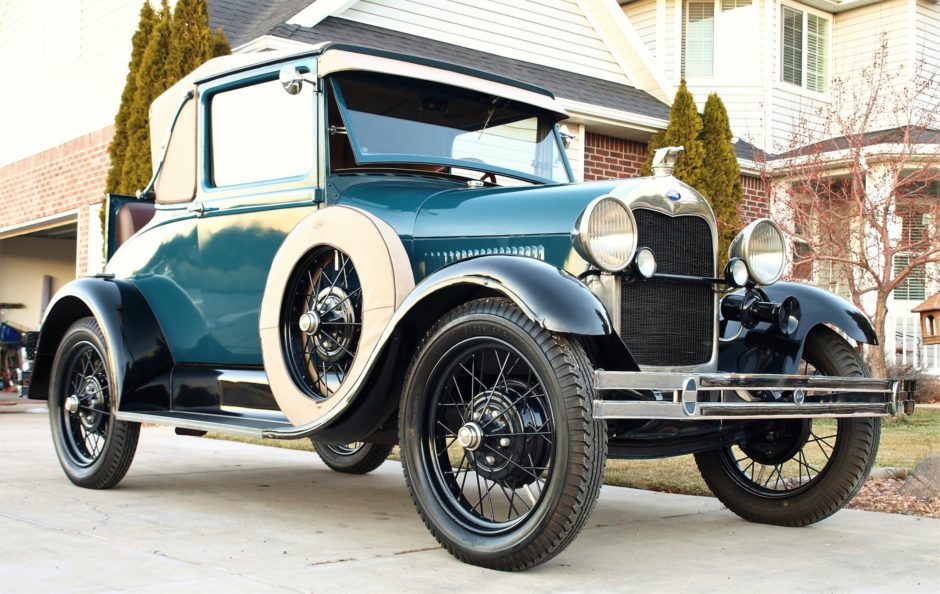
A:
x: 148, y: 191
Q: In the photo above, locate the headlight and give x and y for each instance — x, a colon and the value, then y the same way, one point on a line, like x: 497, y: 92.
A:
x: 763, y: 248
x: 605, y: 234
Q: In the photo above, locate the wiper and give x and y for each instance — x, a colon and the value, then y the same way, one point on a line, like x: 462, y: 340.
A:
x: 489, y: 117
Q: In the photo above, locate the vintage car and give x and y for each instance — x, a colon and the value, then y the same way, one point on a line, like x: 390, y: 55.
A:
x: 369, y: 249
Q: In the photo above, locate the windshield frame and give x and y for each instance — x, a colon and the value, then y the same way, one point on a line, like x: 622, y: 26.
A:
x: 404, y: 158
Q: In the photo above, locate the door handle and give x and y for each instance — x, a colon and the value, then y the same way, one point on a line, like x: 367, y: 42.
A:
x: 199, y: 209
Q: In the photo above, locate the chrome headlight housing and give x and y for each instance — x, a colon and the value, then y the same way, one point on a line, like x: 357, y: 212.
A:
x: 605, y: 234
x: 763, y: 248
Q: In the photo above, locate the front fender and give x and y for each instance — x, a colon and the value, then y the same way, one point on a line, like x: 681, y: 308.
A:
x: 137, y: 351
x: 764, y: 349
x: 550, y: 297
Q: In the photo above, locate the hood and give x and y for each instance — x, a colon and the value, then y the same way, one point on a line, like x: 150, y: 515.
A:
x: 487, y: 212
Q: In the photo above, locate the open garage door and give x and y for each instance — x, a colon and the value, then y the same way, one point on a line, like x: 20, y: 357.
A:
x: 33, y: 266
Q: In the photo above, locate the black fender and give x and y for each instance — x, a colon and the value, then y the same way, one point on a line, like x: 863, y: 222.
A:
x: 764, y: 349
x: 549, y: 296
x: 139, y: 354
x: 552, y: 298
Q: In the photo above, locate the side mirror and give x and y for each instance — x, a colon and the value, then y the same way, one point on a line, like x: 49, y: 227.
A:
x: 292, y: 79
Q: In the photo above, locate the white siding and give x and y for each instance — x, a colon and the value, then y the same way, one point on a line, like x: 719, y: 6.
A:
x: 797, y: 118
x: 549, y: 32
x: 673, y: 40
x: 927, y: 50
x: 857, y: 35
x: 642, y: 13
x: 63, y: 70
x: 745, y: 105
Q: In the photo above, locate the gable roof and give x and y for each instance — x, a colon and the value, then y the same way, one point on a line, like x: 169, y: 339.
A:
x: 245, y: 20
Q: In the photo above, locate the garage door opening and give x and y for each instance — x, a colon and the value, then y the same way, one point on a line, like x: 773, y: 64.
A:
x: 33, y: 266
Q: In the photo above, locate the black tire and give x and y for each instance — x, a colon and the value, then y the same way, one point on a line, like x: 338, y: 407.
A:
x: 805, y: 490
x: 357, y: 458
x: 538, y: 422
x: 94, y: 449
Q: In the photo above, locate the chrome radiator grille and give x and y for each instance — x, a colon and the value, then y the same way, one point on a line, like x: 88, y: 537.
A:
x: 670, y: 322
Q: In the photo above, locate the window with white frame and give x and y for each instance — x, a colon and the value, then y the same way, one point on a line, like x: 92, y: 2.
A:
x: 705, y: 22
x: 913, y: 231
x: 804, y: 50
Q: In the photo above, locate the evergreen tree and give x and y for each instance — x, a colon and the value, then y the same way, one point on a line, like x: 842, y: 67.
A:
x: 684, y: 128
x: 118, y: 147
x: 151, y: 81
x: 190, y: 45
x: 218, y: 44
x: 722, y: 185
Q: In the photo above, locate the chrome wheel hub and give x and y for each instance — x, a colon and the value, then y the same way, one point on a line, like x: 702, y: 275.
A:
x: 309, y: 323
x: 94, y: 402
x: 71, y: 404
x: 470, y: 436
x: 334, y: 308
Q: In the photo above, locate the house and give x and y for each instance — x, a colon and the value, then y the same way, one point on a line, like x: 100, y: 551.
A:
x: 775, y: 63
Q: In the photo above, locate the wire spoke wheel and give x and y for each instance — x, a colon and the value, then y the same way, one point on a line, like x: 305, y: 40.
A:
x: 322, y: 320
x: 785, y: 456
x: 491, y: 436
x: 794, y: 472
x: 357, y: 457
x: 499, y: 447
x: 86, y: 417
x: 94, y: 449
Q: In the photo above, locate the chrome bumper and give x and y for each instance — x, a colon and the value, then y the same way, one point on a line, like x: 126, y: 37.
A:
x: 727, y: 396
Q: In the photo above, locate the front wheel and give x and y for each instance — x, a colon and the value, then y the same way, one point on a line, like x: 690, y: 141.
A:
x: 353, y: 458
x: 795, y: 472
x: 500, y: 450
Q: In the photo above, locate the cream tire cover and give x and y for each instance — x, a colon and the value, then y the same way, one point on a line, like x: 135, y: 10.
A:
x: 386, y: 278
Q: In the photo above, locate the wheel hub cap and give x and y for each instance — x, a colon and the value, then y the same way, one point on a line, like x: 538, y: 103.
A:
x: 309, y: 323
x: 470, y: 436
x: 71, y: 404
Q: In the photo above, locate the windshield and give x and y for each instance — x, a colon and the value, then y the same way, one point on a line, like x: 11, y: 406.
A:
x: 391, y: 119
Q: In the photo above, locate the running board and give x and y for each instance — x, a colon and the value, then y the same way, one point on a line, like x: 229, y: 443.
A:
x: 220, y: 423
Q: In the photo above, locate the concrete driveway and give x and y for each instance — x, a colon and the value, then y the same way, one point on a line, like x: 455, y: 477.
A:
x: 203, y: 515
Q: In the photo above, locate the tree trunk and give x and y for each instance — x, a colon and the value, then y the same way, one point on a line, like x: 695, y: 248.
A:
x: 877, y: 363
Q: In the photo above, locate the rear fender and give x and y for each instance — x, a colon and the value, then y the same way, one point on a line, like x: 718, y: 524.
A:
x: 139, y: 355
x: 764, y: 349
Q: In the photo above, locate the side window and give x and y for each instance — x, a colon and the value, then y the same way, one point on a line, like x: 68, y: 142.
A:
x: 260, y: 133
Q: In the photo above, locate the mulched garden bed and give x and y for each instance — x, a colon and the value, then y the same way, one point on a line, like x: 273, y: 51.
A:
x: 884, y: 495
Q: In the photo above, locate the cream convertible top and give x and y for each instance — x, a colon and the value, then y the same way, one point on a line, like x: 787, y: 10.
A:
x: 177, y: 180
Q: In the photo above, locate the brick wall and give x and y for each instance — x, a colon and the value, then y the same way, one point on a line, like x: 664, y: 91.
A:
x: 68, y: 177
x: 755, y: 204
x: 606, y: 157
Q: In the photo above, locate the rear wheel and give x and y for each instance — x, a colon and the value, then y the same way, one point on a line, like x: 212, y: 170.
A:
x: 94, y: 449
x: 353, y: 458
x: 500, y: 450
x: 794, y: 472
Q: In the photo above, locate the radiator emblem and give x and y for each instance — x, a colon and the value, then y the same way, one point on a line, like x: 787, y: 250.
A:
x: 674, y: 195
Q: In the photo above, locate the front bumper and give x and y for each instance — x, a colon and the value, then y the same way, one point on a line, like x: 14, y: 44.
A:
x: 738, y: 396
